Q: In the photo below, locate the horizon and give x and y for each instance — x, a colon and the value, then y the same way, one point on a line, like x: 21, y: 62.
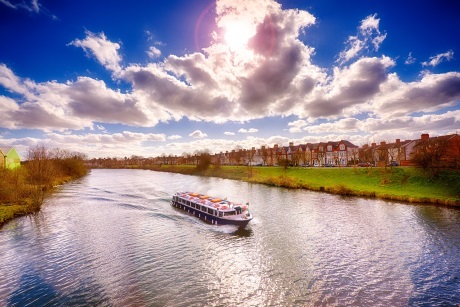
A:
x: 171, y: 78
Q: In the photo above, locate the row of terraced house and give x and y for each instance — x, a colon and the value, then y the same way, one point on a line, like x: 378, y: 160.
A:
x: 315, y: 154
x: 344, y: 153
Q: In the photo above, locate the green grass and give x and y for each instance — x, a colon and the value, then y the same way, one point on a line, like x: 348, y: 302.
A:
x: 398, y: 183
x: 8, y: 212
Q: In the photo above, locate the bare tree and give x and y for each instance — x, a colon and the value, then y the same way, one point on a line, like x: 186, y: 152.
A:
x: 264, y: 154
x: 431, y: 154
x: 40, y: 165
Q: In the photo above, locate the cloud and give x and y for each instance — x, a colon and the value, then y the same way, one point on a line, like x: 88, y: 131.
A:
x: 350, y: 88
x: 153, y: 52
x: 250, y: 130
x: 174, y: 137
x: 229, y: 133
x: 197, y: 134
x: 437, y: 59
x: 274, y: 76
x: 73, y: 105
x: 410, y: 59
x: 368, y: 34
x: 105, y: 51
x: 296, y: 126
x: 433, y: 92
x: 33, y: 6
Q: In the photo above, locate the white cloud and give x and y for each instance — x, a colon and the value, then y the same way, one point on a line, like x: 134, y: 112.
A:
x: 433, y: 92
x: 297, y: 126
x: 410, y: 59
x: 250, y: 130
x: 275, y: 76
x: 12, y: 82
x: 437, y: 59
x: 33, y: 6
x: 153, y: 52
x: 105, y: 51
x: 368, y: 33
x: 197, y: 134
x: 174, y: 137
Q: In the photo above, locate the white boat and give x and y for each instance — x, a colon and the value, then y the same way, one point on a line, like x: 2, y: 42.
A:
x: 214, y: 210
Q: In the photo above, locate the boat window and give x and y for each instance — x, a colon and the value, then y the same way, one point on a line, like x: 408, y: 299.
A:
x: 193, y: 205
x: 188, y: 203
x: 210, y: 211
x: 229, y: 213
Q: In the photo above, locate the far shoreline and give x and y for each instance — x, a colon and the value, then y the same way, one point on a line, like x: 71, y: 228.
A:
x: 404, y: 184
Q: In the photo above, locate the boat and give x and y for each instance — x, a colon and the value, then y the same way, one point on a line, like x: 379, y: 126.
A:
x: 212, y: 209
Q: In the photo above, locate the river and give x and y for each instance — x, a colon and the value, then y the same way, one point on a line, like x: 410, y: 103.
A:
x: 112, y: 239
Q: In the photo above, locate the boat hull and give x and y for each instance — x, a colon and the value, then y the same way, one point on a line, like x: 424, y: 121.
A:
x: 216, y: 220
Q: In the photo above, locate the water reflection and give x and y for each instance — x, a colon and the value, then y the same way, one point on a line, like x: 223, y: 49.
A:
x: 436, y: 272
x: 113, y: 239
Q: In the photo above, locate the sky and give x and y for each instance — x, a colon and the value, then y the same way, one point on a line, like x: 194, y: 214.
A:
x: 150, y: 78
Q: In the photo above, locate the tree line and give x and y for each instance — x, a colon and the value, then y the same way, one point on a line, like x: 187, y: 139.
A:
x: 43, y: 169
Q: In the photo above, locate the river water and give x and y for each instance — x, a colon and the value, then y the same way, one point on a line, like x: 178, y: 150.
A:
x: 112, y: 239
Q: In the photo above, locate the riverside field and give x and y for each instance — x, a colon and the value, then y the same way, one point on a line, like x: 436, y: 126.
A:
x: 407, y: 184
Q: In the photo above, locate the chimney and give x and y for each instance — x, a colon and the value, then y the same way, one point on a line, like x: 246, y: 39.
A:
x: 291, y: 144
x: 382, y: 143
x: 373, y: 145
x: 398, y: 141
x: 275, y: 146
x: 425, y: 136
x: 263, y: 147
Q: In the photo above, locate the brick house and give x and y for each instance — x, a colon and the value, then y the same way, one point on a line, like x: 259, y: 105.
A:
x: 446, y: 148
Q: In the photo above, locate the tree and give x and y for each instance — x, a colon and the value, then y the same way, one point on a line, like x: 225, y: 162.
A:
x: 41, y: 169
x: 204, y: 160
x: 430, y: 154
x: 354, y: 153
x: 283, y: 162
x: 264, y: 154
x: 237, y: 154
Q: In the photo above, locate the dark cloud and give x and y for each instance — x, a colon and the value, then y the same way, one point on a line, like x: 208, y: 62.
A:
x: 271, y: 80
x: 431, y: 93
x: 90, y: 99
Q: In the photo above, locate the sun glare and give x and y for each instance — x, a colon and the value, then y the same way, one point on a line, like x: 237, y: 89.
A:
x: 237, y: 35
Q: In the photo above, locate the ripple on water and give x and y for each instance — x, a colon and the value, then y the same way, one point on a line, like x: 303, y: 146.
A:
x: 117, y: 242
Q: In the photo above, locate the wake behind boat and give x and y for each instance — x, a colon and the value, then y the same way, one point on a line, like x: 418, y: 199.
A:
x: 214, y: 210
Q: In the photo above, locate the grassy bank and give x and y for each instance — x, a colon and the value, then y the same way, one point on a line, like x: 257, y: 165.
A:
x: 23, y: 190
x: 398, y: 183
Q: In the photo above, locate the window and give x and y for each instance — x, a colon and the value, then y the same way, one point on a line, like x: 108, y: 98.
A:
x: 329, y: 148
x: 342, y: 147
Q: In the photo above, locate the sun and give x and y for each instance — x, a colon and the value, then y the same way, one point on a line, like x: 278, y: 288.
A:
x: 237, y: 35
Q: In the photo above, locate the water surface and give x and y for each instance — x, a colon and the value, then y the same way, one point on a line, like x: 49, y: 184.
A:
x: 112, y: 239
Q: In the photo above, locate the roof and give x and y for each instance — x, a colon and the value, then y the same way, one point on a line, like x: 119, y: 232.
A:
x: 5, y: 150
x: 441, y: 138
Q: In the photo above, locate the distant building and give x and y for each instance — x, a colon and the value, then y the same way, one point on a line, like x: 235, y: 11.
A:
x: 445, y: 148
x: 9, y: 158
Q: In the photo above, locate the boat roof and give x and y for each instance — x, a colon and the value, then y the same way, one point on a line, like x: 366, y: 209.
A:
x: 208, y: 201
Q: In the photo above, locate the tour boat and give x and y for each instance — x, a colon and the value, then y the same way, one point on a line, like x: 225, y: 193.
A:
x: 214, y: 210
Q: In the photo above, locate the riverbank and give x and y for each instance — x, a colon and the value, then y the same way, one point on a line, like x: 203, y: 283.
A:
x: 29, y: 202
x: 394, y: 183
x: 23, y: 189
